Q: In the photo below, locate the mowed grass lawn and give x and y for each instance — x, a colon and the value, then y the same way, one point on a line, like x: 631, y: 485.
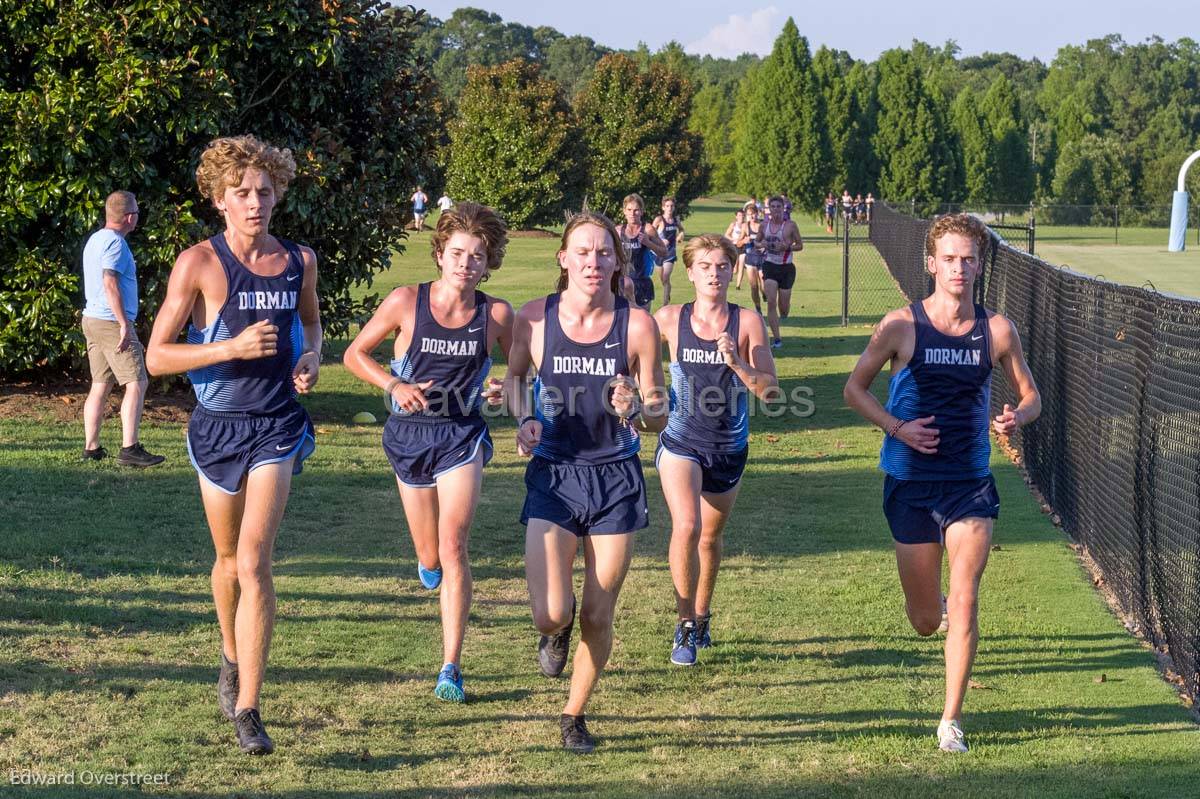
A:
x: 816, y: 687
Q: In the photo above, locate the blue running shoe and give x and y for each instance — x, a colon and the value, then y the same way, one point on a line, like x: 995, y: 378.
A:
x: 430, y: 578
x: 683, y: 653
x: 449, y: 684
x: 703, y: 639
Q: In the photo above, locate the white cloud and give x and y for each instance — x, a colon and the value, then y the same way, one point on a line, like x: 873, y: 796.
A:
x: 753, y: 33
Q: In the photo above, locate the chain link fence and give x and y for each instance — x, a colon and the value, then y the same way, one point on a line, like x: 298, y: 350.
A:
x: 1116, y: 452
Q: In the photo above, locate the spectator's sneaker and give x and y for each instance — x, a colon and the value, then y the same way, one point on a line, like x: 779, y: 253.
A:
x: 683, y: 651
x: 97, y: 454
x: 703, y: 639
x: 252, y: 736
x: 138, y: 457
x: 945, y: 625
x: 430, y: 578
x: 227, y: 686
x: 575, y: 735
x: 450, y: 684
x: 553, y: 649
x: 950, y: 737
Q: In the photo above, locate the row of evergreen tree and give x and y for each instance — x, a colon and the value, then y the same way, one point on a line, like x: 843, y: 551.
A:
x: 1105, y: 123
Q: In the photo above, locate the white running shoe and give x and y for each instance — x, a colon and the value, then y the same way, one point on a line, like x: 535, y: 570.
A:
x: 950, y: 737
x: 945, y: 625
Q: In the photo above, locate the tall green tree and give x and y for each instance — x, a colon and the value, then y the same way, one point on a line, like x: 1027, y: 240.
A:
x: 1093, y: 171
x: 635, y: 125
x: 862, y: 165
x: 515, y: 146
x: 785, y: 145
x: 96, y: 99
x: 911, y: 142
x: 1014, y: 162
x: 977, y: 148
x: 711, y: 119
x: 841, y: 110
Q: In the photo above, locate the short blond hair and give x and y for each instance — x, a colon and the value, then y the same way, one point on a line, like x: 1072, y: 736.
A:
x: 708, y: 241
x: 225, y: 161
x: 634, y: 197
x: 961, y: 224
x: 118, y: 205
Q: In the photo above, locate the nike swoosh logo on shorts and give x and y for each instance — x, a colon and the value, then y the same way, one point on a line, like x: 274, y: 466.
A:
x: 976, y: 338
x: 281, y: 449
x: 292, y: 277
x: 610, y: 346
x: 474, y: 329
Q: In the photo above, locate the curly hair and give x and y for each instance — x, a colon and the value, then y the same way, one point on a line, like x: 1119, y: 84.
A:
x: 599, y: 220
x: 961, y: 224
x: 225, y: 161
x: 705, y: 242
x: 474, y: 220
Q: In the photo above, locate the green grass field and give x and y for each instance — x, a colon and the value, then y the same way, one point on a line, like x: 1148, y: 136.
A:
x: 817, y: 686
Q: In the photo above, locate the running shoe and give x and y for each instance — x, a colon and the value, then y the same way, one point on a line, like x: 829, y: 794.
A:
x: 776, y: 343
x: 703, y: 639
x: 450, y: 684
x: 575, y: 735
x: 553, y: 649
x: 430, y: 578
x: 683, y: 652
x: 950, y: 737
x: 945, y: 625
x: 252, y: 736
x: 138, y: 457
x: 227, y: 687
x: 97, y: 454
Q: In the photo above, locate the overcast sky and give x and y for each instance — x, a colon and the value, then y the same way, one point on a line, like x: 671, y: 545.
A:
x: 864, y: 28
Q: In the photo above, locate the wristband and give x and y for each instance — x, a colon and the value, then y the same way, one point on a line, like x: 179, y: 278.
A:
x: 525, y: 419
x: 896, y: 427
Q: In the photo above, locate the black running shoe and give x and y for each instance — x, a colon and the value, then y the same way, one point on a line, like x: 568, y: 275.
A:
x: 575, y: 735
x: 97, y: 454
x: 138, y: 456
x: 227, y: 687
x: 252, y: 736
x: 703, y: 639
x: 553, y: 649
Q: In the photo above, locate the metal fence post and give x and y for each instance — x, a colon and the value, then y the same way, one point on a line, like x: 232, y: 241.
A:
x: 845, y: 275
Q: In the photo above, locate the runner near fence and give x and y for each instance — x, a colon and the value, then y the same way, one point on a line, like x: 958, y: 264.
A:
x: 1116, y: 453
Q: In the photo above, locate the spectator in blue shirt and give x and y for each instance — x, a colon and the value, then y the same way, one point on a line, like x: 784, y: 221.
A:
x: 114, y: 353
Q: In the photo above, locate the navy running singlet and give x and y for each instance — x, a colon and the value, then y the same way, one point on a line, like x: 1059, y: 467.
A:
x: 949, y: 378
x: 669, y: 233
x: 709, y: 407
x: 640, y: 264
x: 456, y: 359
x: 775, y: 237
x: 262, y: 385
x: 572, y: 393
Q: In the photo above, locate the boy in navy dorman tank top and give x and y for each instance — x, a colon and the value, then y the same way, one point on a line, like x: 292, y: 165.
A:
x: 669, y: 229
x: 777, y: 239
x: 719, y: 354
x: 254, y: 342
x: 642, y: 245
x: 939, y: 494
x: 584, y: 483
x: 436, y: 437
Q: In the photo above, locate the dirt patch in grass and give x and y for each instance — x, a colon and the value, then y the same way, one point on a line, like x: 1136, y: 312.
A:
x: 61, y: 400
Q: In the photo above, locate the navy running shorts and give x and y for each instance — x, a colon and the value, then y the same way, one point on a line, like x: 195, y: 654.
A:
x: 783, y: 274
x: 587, y: 500
x: 919, y: 511
x: 225, y: 447
x: 754, y: 257
x: 669, y: 258
x: 719, y: 471
x: 643, y: 290
x: 421, y: 448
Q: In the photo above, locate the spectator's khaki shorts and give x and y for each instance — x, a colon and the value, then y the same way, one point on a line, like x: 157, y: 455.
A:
x: 106, y: 363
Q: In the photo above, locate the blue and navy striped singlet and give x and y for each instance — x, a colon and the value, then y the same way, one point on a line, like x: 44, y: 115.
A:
x: 261, y: 385
x: 641, y: 264
x: 455, y: 359
x: 572, y: 393
x: 669, y: 234
x: 949, y: 378
x: 709, y: 403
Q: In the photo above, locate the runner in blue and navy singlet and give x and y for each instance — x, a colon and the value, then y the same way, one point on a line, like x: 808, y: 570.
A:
x: 641, y: 265
x: 709, y: 421
x: 580, y: 429
x: 247, y: 414
x: 423, y: 446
